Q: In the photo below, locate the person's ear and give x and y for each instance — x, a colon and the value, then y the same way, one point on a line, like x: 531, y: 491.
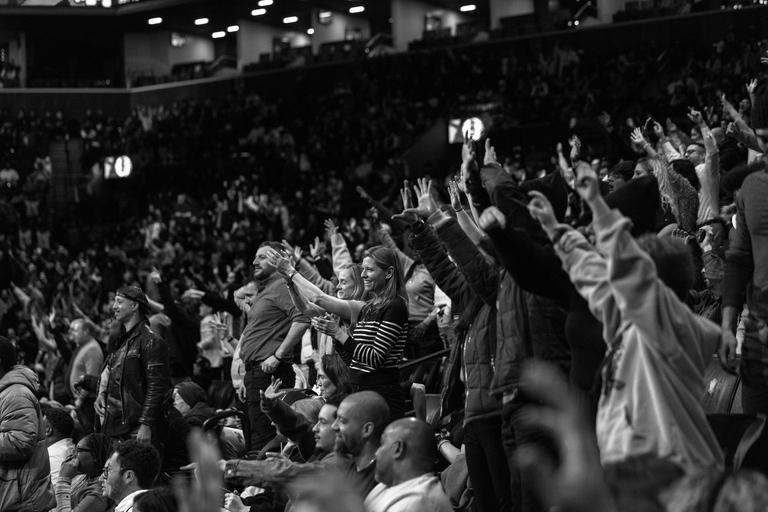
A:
x: 367, y: 430
x: 129, y: 476
x: 398, y: 448
x: 390, y: 272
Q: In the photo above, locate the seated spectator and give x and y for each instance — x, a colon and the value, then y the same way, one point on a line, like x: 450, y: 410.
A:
x: 161, y: 499
x: 130, y: 472
x: 191, y: 401
x: 333, y: 378
x: 59, y: 426
x: 79, y: 487
x: 405, y: 470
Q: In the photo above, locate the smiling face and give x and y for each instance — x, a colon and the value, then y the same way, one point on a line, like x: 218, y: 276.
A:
x: 261, y: 267
x: 346, y: 287
x: 348, y: 429
x: 374, y: 277
x: 329, y: 388
x: 123, y: 308
x: 325, y: 437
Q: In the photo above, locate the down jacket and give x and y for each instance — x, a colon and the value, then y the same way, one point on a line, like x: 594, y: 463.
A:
x: 476, y: 331
x: 25, y: 481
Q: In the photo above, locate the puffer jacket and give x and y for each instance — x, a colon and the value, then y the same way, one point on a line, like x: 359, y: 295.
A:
x: 476, y: 329
x: 527, y: 325
x: 25, y: 480
x: 138, y: 380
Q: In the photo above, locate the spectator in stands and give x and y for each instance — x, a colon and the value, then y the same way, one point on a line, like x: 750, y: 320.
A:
x: 79, y: 487
x: 59, y: 427
x: 405, y: 470
x: 130, y: 471
x: 620, y: 174
x: 24, y: 465
x: 161, y: 499
x: 192, y: 402
x: 87, y: 360
x: 274, y: 327
x: 374, y: 348
x: 210, y: 341
x: 333, y: 377
x: 136, y: 376
x: 655, y: 362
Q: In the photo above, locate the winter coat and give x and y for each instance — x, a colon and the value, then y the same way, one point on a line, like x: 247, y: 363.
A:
x: 25, y: 480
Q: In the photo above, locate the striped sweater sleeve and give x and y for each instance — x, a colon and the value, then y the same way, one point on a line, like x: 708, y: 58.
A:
x: 373, y: 340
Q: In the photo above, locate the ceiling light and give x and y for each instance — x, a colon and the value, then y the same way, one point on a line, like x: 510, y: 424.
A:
x: 310, y: 31
x: 325, y: 14
x: 233, y: 28
x: 356, y: 9
x: 219, y: 34
x: 258, y: 12
x: 467, y: 8
x: 264, y: 3
x: 290, y: 19
x: 155, y: 21
x: 201, y: 21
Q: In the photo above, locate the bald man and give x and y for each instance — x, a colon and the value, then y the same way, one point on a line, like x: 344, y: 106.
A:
x: 360, y: 422
x: 404, y: 469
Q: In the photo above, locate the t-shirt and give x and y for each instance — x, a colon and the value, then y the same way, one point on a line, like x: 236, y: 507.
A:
x: 421, y: 494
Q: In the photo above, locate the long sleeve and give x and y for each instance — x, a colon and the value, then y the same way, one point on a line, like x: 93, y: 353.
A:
x: 386, y: 240
x: 221, y: 304
x: 313, y: 276
x: 292, y: 425
x: 278, y: 471
x: 686, y: 199
x: 373, y: 340
x: 339, y: 253
x: 18, y: 427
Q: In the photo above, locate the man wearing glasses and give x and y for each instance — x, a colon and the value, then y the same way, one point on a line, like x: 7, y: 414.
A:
x: 129, y: 472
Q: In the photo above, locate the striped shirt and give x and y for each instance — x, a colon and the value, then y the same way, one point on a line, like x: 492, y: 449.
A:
x: 378, y: 340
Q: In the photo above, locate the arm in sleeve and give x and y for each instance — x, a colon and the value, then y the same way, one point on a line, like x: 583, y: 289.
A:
x: 393, y: 320
x: 339, y: 253
x: 274, y: 471
x: 435, y: 258
x: 739, y: 263
x: 386, y: 240
x: 504, y: 193
x: 219, y: 303
x: 18, y: 427
x: 313, y: 276
x: 207, y: 335
x: 291, y: 424
x: 155, y: 357
x: 315, y: 295
x: 669, y: 152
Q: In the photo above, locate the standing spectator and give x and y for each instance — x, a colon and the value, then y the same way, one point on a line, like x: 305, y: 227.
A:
x: 405, y: 470
x: 59, y: 426
x: 129, y: 473
x: 266, y: 347
x: 24, y: 466
x: 210, y: 340
x: 87, y: 360
x: 135, y: 379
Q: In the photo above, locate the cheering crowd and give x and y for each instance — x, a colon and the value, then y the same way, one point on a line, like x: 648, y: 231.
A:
x: 503, y: 339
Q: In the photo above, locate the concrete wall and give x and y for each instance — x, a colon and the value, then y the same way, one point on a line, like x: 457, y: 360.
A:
x: 409, y: 15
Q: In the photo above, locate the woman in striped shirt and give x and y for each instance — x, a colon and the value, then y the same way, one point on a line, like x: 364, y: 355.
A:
x: 374, y: 344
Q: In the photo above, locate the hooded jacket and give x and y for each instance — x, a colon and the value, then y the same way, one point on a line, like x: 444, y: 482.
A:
x: 24, y: 467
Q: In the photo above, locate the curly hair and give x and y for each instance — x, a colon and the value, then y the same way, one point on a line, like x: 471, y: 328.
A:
x: 141, y: 458
x: 658, y: 169
x: 61, y: 421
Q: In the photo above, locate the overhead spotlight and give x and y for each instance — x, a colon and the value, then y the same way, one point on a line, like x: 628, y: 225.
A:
x: 155, y: 21
x: 356, y: 9
x: 468, y: 8
x: 310, y: 31
x: 219, y: 34
x: 576, y: 23
x: 290, y: 19
x: 201, y: 21
x: 265, y: 3
x: 258, y: 12
x: 233, y: 28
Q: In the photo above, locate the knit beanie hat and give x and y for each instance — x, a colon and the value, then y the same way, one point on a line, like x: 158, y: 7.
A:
x: 554, y: 187
x: 7, y: 354
x: 639, y: 200
x: 191, y: 393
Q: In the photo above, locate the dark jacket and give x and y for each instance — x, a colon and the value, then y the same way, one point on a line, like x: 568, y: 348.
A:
x: 24, y: 467
x: 293, y: 425
x: 139, y: 379
x: 476, y: 330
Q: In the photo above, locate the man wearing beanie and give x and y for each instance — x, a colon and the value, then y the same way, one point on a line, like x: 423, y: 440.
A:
x: 192, y: 402
x: 24, y: 466
x: 136, y: 376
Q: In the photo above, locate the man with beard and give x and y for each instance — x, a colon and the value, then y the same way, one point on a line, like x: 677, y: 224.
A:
x: 274, y: 327
x: 129, y: 472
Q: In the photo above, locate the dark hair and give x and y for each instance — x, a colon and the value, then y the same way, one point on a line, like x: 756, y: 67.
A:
x: 673, y: 260
x: 337, y: 371
x: 384, y: 258
x: 61, y: 421
x: 274, y: 245
x: 7, y: 353
x: 687, y: 170
x: 733, y: 179
x: 101, y: 448
x: 625, y: 169
x: 141, y: 458
x: 161, y: 499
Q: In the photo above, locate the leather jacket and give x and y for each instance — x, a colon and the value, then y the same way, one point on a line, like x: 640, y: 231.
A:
x: 139, y: 377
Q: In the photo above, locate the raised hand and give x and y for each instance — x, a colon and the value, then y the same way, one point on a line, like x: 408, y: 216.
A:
x: 273, y: 391
x: 294, y: 253
x: 735, y: 131
x: 658, y: 130
x: 575, y: 144
x: 541, y: 209
x: 317, y: 249
x: 455, y: 193
x: 468, y: 152
x: 330, y: 228
x: 490, y: 153
x: 728, y: 108
x: 407, y: 215
x: 586, y: 183
x: 192, y: 294
x: 637, y: 137
x: 363, y: 193
x: 695, y: 116
x: 423, y: 189
x: 751, y: 86
x: 492, y: 218
x: 204, y: 493
x: 280, y: 262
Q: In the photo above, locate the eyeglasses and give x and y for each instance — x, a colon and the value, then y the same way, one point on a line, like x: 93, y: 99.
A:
x: 107, y: 470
